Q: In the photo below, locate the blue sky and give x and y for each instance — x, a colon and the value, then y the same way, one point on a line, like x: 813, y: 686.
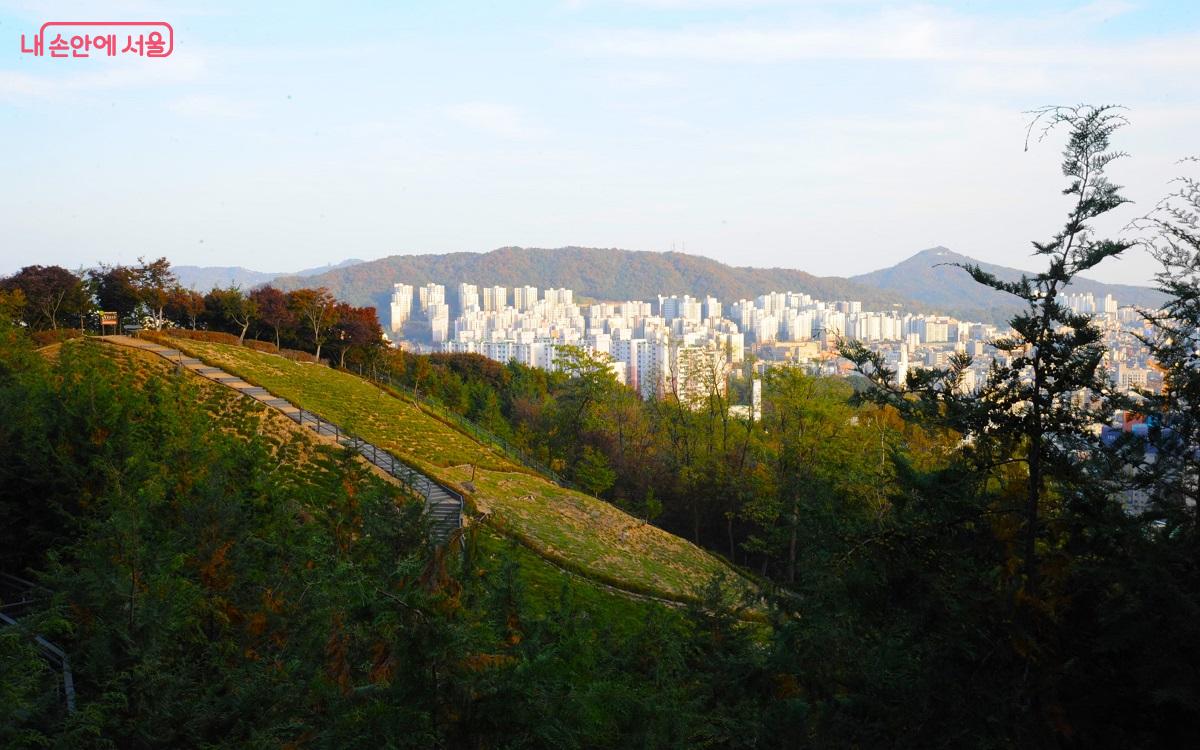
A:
x: 835, y: 137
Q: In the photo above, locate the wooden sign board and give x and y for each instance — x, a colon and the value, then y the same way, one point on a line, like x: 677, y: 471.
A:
x: 108, y: 318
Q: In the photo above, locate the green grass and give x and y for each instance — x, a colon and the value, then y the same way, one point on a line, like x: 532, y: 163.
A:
x: 572, y: 530
x: 310, y: 461
x: 395, y: 424
x: 545, y: 586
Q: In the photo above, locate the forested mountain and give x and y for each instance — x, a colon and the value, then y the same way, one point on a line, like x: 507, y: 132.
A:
x: 919, y: 284
x: 929, y: 277
x: 599, y: 273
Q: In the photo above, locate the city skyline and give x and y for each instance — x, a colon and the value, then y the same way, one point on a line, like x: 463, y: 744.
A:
x: 691, y: 346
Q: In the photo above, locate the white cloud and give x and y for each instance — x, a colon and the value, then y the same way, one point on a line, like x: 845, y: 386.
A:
x: 84, y: 76
x: 213, y: 107
x: 912, y: 39
x: 643, y: 79
x: 909, y: 34
x: 699, y: 5
x: 498, y: 119
x: 20, y: 85
x: 104, y: 10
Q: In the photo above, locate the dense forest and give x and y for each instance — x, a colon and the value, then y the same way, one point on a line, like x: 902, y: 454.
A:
x: 936, y: 569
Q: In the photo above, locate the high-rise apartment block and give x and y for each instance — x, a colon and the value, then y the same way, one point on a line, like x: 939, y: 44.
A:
x: 401, y: 305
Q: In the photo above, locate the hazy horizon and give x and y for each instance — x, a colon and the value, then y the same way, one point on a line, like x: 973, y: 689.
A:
x: 834, y: 138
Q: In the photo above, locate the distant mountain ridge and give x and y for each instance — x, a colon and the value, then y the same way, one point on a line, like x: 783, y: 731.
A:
x: 922, y: 283
x: 930, y: 277
x: 204, y: 278
x: 597, y: 273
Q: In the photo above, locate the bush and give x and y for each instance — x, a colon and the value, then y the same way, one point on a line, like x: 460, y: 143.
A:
x: 215, y: 337
x: 297, y: 356
x: 261, y: 346
x: 220, y: 337
x: 57, y: 336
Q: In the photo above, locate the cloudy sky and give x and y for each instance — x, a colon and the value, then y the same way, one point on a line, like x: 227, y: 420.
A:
x: 835, y: 137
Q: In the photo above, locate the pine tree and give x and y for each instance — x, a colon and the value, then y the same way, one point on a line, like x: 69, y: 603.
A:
x: 1043, y: 395
x: 1174, y: 342
x: 1030, y: 468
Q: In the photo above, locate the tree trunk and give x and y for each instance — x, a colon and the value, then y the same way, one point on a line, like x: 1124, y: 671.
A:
x: 729, y: 531
x: 695, y: 520
x: 792, y: 541
x: 1031, y: 508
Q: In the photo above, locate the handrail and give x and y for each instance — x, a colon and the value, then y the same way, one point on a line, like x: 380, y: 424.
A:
x: 408, y: 475
x: 396, y: 467
x: 50, y: 652
x: 481, y: 433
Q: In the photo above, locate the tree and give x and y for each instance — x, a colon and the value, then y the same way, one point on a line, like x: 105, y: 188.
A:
x: 593, y: 473
x: 1030, y: 469
x: 273, y: 310
x: 590, y: 380
x: 1061, y: 349
x: 817, y: 451
x: 185, y: 306
x: 1026, y: 403
x: 81, y: 300
x: 1175, y: 345
x: 357, y: 329
x: 154, y: 281
x: 317, y: 311
x: 50, y: 292
x: 116, y: 289
x: 12, y: 304
x: 235, y: 307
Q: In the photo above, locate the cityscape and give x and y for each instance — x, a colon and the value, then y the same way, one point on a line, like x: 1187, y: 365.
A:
x: 664, y: 374
x: 686, y: 346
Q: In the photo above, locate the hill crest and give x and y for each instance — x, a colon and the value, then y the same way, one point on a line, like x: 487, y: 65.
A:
x: 924, y: 282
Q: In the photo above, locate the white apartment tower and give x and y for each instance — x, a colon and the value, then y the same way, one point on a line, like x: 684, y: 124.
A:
x: 495, y: 298
x: 432, y: 294
x: 402, y: 302
x: 468, y: 298
x: 439, y: 322
x: 524, y: 297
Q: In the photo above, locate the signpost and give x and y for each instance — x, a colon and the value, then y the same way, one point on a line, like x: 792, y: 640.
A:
x: 108, y: 319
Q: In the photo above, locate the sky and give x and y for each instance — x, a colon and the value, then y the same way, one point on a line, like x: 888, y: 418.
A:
x: 833, y: 137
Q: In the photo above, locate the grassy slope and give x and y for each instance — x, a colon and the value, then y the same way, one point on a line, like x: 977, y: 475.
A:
x: 573, y: 530
x: 308, y: 457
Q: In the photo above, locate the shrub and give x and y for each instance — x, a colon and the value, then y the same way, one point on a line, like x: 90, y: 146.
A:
x: 297, y: 356
x: 57, y: 336
x: 215, y: 337
x: 261, y: 346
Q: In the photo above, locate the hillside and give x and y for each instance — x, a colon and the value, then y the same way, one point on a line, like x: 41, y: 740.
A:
x: 221, y: 577
x: 598, y: 273
x: 307, y: 456
x: 573, y: 530
x: 925, y: 277
x: 204, y: 278
x: 311, y: 462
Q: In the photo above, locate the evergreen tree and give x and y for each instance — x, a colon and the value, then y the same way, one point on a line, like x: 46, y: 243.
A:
x: 1174, y: 477
x: 1035, y: 472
